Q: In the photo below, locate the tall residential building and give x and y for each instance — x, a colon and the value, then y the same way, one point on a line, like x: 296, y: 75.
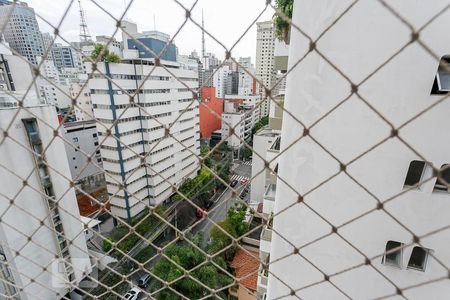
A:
x: 232, y: 83
x: 22, y: 30
x: 220, y: 80
x: 141, y: 168
x: 373, y: 220
x: 265, y: 44
x: 210, y: 61
x: 43, y: 248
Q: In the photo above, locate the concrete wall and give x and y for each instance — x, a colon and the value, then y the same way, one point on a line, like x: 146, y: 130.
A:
x: 23, y: 219
x: 362, y: 40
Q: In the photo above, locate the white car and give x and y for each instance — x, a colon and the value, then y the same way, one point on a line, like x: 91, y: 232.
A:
x: 132, y: 294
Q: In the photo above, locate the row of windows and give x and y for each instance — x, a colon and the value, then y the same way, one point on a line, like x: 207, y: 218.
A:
x: 139, y: 130
x: 185, y: 100
x: 162, y: 160
x: 187, y: 79
x: 186, y: 120
x: 190, y: 109
x: 417, y: 169
x: 188, y: 147
x: 189, y: 165
x: 161, y: 150
x: 137, y: 118
x: 187, y: 157
x: 393, y: 256
x: 130, y: 91
x: 123, y: 106
x: 131, y: 77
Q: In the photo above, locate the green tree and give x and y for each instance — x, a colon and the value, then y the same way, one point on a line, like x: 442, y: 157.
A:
x: 107, y: 244
x: 103, y: 54
x: 188, y: 257
x: 260, y: 124
x: 281, y: 25
x: 234, y: 224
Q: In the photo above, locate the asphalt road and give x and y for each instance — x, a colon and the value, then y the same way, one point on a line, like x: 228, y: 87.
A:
x: 219, y: 210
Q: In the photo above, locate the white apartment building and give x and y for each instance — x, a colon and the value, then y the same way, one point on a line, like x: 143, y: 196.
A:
x: 164, y: 102
x: 81, y: 143
x: 265, y: 41
x: 219, y: 80
x: 233, y: 129
x: 83, y: 110
x: 389, y: 243
x: 54, y: 260
x: 266, y: 148
x: 210, y: 61
x: 114, y: 45
x: 244, y: 103
x: 263, y: 142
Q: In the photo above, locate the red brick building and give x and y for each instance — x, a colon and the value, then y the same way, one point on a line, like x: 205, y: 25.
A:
x: 210, y: 121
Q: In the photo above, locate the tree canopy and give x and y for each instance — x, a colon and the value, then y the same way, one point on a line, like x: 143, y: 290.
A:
x: 187, y: 257
x: 105, y: 54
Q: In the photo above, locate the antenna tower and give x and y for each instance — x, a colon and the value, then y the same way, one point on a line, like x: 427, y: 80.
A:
x: 84, y: 31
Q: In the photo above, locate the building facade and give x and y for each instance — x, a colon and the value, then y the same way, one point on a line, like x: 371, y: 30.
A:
x: 143, y: 166
x: 220, y: 80
x: 265, y: 44
x: 210, y: 112
x: 376, y: 230
x: 60, y: 245
x: 22, y: 30
x: 82, y: 143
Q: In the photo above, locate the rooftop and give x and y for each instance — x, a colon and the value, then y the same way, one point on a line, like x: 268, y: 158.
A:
x: 246, y: 265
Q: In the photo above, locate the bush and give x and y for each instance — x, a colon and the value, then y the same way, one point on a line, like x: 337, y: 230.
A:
x: 107, y: 244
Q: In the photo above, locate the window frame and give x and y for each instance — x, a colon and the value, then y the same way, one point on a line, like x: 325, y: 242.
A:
x: 425, y: 260
x: 399, y: 259
x: 409, y: 174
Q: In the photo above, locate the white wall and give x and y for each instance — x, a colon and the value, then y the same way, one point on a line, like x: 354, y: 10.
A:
x: 23, y: 219
x: 363, y: 39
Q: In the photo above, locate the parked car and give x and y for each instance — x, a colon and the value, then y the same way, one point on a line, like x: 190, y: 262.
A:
x: 200, y: 212
x: 144, y: 280
x: 242, y: 195
x: 208, y: 204
x: 244, y: 180
x: 132, y: 294
x: 233, y: 183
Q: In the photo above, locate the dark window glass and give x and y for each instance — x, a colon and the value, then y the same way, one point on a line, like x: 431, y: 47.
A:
x: 418, y: 258
x: 415, y: 172
x: 393, y: 254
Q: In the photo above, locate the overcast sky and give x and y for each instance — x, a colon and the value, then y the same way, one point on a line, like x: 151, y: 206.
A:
x: 226, y: 20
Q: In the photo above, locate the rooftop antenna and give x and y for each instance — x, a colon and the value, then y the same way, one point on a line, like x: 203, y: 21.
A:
x: 203, y: 36
x: 84, y: 31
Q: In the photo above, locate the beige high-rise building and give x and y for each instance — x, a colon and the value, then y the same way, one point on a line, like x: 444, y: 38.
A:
x: 265, y: 44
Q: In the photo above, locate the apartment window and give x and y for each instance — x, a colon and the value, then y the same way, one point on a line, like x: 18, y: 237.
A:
x: 415, y: 172
x: 393, y: 254
x: 441, y: 84
x: 99, y: 160
x: 443, y: 179
x: 95, y: 143
x: 94, y: 135
x: 418, y: 259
